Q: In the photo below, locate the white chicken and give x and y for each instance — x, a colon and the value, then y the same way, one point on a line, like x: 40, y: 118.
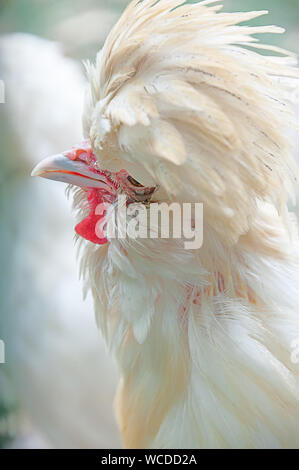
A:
x: 58, y: 368
x: 183, y: 108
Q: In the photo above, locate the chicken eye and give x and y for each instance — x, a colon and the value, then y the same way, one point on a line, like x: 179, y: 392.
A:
x: 134, y: 182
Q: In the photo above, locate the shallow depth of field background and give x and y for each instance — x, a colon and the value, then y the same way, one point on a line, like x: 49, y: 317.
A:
x: 51, y: 395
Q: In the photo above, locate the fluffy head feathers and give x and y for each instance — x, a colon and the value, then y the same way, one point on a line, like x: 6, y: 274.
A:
x: 178, y: 99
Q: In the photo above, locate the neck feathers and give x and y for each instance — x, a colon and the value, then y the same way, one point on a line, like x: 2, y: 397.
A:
x: 190, y: 330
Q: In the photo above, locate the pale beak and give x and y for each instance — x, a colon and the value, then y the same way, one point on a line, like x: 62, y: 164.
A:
x: 61, y: 168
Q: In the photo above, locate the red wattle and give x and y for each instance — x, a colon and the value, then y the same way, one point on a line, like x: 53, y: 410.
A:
x: 89, y: 228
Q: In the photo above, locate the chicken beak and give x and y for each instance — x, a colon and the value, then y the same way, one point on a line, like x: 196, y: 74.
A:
x: 61, y: 168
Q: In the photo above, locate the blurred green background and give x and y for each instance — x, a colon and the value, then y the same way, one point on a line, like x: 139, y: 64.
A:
x: 80, y: 26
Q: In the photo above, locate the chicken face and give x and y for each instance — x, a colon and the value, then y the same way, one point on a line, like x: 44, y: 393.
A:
x: 79, y: 167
